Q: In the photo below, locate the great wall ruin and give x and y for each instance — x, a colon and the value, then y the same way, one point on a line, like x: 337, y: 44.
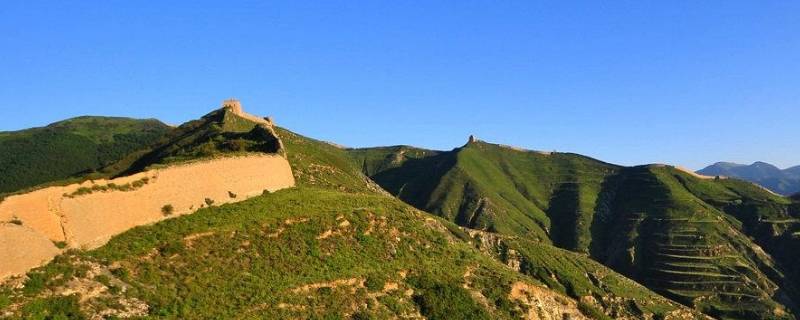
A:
x: 38, y: 225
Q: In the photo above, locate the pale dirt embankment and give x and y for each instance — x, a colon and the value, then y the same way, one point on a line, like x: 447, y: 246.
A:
x: 88, y: 221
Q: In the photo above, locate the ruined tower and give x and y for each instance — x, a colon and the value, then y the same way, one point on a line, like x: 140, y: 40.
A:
x: 234, y: 104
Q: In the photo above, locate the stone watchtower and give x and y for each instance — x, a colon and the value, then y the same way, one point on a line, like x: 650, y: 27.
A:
x: 234, y: 104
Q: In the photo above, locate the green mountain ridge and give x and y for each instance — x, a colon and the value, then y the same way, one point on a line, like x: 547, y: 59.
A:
x: 71, y: 147
x: 685, y: 237
x: 484, y: 231
x: 334, y: 247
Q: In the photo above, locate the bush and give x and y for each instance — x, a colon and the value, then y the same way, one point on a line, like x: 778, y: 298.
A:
x: 167, y: 209
x: 232, y: 195
x: 591, y: 312
x: 209, y: 201
x: 16, y: 221
x: 375, y: 282
x: 54, y: 308
x: 443, y: 300
x: 60, y: 244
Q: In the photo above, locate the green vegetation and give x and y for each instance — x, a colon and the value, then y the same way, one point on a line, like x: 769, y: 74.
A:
x: 438, y: 300
x: 68, y: 148
x: 688, y: 238
x: 548, y: 197
x: 268, y: 257
x: 320, y: 164
x: 55, y: 308
x: 217, y: 133
x: 109, y: 187
x: 338, y: 246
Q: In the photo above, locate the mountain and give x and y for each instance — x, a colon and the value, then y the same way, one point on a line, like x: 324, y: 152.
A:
x: 483, y: 231
x: 71, y: 147
x: 683, y: 236
x: 335, y: 246
x: 784, y: 182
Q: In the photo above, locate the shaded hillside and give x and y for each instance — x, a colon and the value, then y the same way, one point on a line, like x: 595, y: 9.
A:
x: 697, y: 241
x: 379, y: 159
x: 70, y: 147
x: 221, y: 131
x: 784, y: 182
x: 547, y: 197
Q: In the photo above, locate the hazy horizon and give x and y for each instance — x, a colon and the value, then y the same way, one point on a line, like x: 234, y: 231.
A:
x: 627, y: 83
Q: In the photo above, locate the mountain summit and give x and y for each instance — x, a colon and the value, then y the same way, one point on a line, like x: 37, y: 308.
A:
x: 784, y: 182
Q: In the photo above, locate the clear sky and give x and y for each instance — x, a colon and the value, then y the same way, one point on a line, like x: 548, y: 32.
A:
x: 629, y: 82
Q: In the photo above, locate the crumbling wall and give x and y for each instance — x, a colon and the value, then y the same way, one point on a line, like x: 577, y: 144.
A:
x: 89, y: 219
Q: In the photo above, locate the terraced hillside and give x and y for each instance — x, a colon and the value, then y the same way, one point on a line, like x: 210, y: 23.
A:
x: 546, y: 197
x: 334, y: 247
x: 70, y: 147
x: 717, y: 245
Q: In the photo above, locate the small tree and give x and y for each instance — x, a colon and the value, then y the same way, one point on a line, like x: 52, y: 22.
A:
x: 167, y: 209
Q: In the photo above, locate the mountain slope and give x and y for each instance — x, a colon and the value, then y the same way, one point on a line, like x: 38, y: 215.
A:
x: 70, y: 147
x: 334, y: 247
x: 303, y: 253
x: 685, y: 237
x: 547, y: 197
x: 784, y: 182
x: 222, y: 131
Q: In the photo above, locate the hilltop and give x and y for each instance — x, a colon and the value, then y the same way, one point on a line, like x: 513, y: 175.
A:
x: 785, y: 182
x: 70, y: 148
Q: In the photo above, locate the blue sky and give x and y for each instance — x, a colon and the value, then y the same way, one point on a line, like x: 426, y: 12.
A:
x: 629, y: 82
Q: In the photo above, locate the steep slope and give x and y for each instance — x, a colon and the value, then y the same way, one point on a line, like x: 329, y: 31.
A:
x: 784, y: 182
x: 662, y: 231
x: 547, y: 197
x: 160, y: 184
x: 70, y: 147
x: 334, y: 247
x: 223, y: 131
x: 683, y: 236
x: 302, y: 253
x: 324, y: 165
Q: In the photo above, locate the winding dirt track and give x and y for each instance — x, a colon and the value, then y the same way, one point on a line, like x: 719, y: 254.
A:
x: 90, y: 220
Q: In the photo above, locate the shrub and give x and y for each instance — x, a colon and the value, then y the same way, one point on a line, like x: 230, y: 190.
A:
x: 375, y: 282
x: 16, y: 221
x: 591, y: 312
x: 36, y: 282
x: 60, y: 244
x: 232, y: 195
x: 54, y: 308
x: 167, y: 209
x: 209, y: 201
x: 442, y: 300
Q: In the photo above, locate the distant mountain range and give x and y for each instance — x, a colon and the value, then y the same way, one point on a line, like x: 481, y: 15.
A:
x: 786, y: 182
